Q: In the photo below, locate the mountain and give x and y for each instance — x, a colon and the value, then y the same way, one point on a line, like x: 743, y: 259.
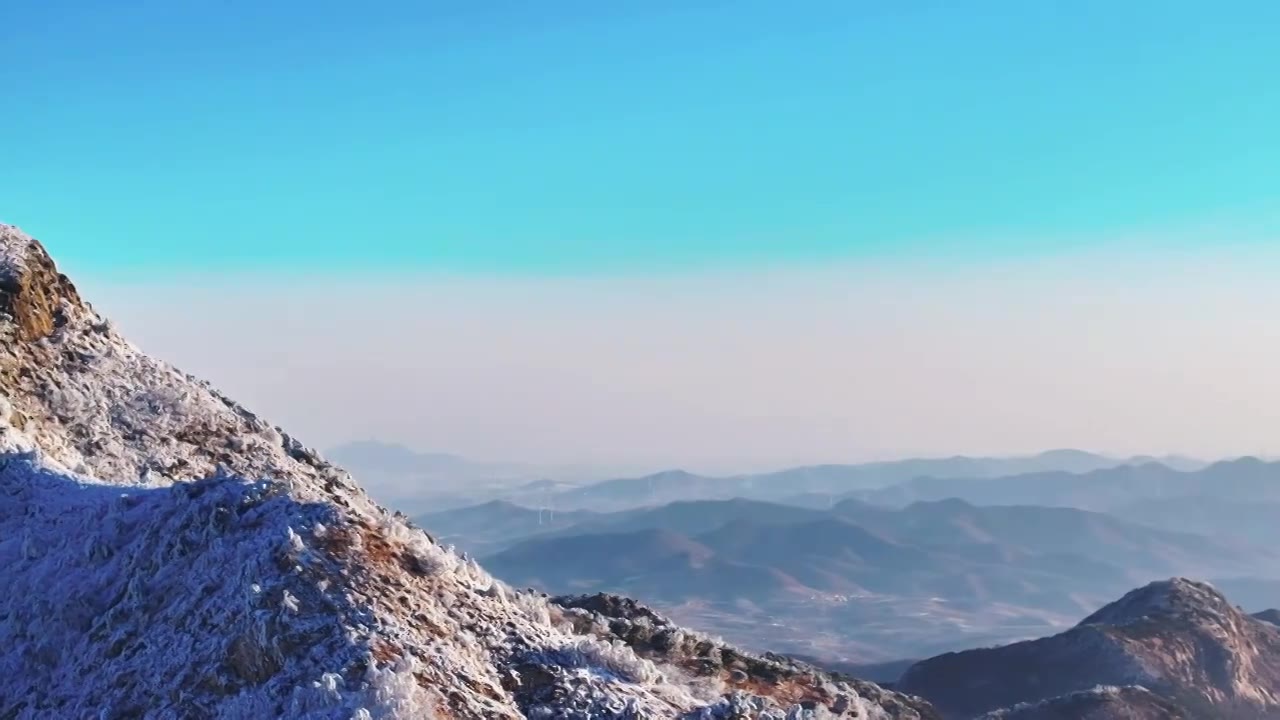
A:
x: 1179, y: 639
x: 659, y: 563
x: 828, y: 555
x: 817, y: 485
x: 856, y: 547
x: 865, y: 584
x: 1245, y: 479
x: 434, y: 482
x: 655, y: 489
x: 836, y: 478
x: 693, y: 517
x: 843, y: 478
x: 167, y: 553
x: 861, y: 584
x: 1061, y: 531
x: 1176, y: 462
x: 1050, y: 531
x: 1208, y: 513
x: 490, y: 527
x: 561, y: 561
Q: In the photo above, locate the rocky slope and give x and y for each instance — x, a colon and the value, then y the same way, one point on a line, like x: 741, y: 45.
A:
x: 654, y: 637
x: 1181, y: 640
x: 166, y: 553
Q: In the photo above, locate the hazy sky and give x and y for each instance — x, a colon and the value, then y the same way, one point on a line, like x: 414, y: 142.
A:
x: 1109, y: 351
x: 675, y: 232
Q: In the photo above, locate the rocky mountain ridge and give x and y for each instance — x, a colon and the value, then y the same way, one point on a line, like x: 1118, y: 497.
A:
x: 1179, y: 639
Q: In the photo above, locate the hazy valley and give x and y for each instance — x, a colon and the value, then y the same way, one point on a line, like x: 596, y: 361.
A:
x: 838, y: 571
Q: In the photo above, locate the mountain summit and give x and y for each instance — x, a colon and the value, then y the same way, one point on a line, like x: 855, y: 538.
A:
x: 1179, y: 639
x: 167, y: 553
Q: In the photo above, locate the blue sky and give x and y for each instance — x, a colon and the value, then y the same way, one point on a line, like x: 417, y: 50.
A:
x: 588, y: 137
x: 724, y: 235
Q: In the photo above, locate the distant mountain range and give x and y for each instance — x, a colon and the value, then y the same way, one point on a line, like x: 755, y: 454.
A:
x: 929, y: 563
x: 417, y: 482
x: 760, y: 530
x: 1245, y: 479
x: 821, y: 484
x: 422, y: 482
x: 852, y: 574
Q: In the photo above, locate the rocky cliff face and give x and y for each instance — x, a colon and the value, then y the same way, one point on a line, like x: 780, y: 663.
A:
x: 1179, y: 639
x: 167, y: 553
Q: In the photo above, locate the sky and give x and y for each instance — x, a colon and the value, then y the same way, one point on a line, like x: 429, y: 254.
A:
x: 698, y: 233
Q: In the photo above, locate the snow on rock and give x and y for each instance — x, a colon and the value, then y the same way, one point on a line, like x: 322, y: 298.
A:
x: 166, y: 553
x: 651, y: 635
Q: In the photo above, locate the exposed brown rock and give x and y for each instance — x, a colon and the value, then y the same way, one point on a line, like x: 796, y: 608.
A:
x: 32, y: 291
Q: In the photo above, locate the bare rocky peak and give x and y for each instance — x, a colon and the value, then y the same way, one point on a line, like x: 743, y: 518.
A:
x: 1180, y: 639
x: 167, y: 553
x: 1178, y: 599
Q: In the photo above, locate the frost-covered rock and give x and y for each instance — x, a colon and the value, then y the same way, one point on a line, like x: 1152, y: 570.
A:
x: 165, y: 553
x: 814, y: 693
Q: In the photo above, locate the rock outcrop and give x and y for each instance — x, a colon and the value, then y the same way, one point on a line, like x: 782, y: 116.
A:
x: 167, y: 553
x: 653, y: 637
x: 1179, y: 639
